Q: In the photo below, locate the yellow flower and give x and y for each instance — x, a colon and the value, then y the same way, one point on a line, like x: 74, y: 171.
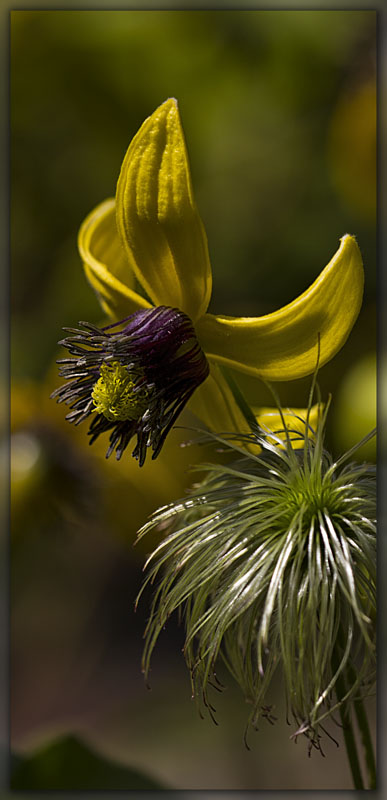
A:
x: 151, y: 236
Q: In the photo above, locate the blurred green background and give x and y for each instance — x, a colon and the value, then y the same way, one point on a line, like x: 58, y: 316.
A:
x: 279, y: 112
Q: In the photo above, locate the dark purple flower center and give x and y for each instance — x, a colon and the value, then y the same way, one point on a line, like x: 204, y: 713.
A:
x: 134, y: 377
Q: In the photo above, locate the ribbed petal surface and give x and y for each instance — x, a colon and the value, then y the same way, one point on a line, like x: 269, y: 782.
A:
x: 283, y: 345
x: 157, y: 219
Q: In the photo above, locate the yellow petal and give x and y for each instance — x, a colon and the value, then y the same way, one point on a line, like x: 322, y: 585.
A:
x: 105, y: 264
x: 270, y: 420
x: 157, y: 219
x: 283, y: 345
x: 214, y: 404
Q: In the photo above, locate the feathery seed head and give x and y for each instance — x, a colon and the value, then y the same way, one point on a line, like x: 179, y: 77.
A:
x: 271, y: 561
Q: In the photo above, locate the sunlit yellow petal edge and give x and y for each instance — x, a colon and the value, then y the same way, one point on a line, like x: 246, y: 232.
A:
x: 157, y: 218
x: 283, y: 345
x: 105, y: 264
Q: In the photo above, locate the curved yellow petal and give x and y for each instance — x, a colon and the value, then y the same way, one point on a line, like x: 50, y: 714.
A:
x: 105, y: 263
x: 157, y: 219
x: 270, y: 420
x: 213, y: 403
x: 283, y: 345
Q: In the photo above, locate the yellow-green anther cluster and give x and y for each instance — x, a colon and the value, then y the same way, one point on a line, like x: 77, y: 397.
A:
x: 114, y: 396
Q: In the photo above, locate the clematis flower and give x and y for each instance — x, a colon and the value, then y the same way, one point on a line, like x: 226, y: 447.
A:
x: 146, y: 249
x: 120, y: 375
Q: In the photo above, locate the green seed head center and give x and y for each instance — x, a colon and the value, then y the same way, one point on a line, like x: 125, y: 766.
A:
x: 114, y: 393
x: 310, y: 498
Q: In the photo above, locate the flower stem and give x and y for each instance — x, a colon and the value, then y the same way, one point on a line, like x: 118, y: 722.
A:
x: 343, y: 681
x: 362, y: 722
x: 349, y: 737
x: 240, y: 399
x: 367, y: 742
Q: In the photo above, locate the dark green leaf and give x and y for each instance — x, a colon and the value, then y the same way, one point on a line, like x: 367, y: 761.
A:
x: 69, y: 764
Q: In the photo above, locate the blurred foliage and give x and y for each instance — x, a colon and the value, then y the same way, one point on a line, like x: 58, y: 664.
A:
x: 278, y: 109
x: 68, y: 764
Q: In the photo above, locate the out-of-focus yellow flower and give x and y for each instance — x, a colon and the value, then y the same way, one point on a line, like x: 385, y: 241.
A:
x: 150, y: 236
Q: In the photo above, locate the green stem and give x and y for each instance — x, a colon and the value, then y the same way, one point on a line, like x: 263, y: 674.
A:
x: 240, y: 400
x: 362, y: 722
x: 349, y: 737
